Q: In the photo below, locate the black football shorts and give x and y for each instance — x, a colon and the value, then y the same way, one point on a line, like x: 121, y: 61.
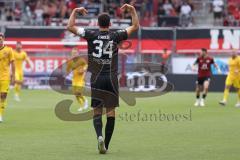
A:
x: 104, y: 91
x: 200, y: 81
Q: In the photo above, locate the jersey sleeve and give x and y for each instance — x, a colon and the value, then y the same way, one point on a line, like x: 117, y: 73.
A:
x: 197, y: 61
x: 212, y: 61
x: 121, y: 35
x: 84, y: 33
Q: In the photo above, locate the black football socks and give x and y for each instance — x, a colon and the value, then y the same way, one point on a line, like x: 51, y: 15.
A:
x: 109, y: 130
x: 97, y: 122
x: 197, y: 96
x: 204, y: 96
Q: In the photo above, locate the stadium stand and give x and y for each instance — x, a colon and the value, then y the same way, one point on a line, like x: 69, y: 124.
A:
x: 152, y: 12
x: 232, y: 17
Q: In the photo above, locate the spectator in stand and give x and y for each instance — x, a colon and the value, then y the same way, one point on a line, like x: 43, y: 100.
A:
x: 52, y: 12
x: 52, y: 8
x: 177, y: 5
x: 63, y: 9
x: 149, y: 8
x: 46, y: 15
x: 161, y: 11
x: 111, y: 10
x: 190, y: 3
x: 112, y: 7
x: 138, y: 4
x: 168, y: 7
x: 9, y: 14
x: 71, y: 4
x: 217, y: 8
x: 185, y: 9
x: 66, y: 7
x: 185, y: 14
x: 233, y: 16
x: 236, y: 15
x: 85, y: 3
x: 17, y: 12
x: 39, y: 14
x: 229, y: 20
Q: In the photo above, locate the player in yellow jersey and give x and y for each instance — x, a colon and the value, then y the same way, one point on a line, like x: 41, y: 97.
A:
x: 78, y: 66
x: 233, y: 78
x: 20, y: 56
x: 6, y: 62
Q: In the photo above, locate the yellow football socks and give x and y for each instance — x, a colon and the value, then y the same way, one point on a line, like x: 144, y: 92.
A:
x: 3, y: 104
x: 239, y: 95
x: 226, y: 94
x: 80, y: 100
x: 17, y: 89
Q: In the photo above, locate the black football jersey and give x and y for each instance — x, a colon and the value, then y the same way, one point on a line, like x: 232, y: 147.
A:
x: 103, y: 50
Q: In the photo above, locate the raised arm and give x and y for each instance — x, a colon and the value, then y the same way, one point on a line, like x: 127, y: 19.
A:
x: 135, y: 22
x: 71, y: 23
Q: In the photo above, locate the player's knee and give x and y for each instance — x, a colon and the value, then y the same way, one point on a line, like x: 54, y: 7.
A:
x: 205, y: 88
x: 110, y: 112
x: 3, y: 96
x: 205, y: 91
x: 227, y: 87
x: 197, y: 89
x: 78, y: 95
x: 97, y: 111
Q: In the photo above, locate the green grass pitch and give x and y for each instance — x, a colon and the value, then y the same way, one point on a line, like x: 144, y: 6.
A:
x: 31, y: 131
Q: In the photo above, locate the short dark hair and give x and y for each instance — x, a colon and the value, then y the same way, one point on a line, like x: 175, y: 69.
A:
x: 104, y: 20
x: 204, y: 49
x: 2, y: 35
x: 19, y: 42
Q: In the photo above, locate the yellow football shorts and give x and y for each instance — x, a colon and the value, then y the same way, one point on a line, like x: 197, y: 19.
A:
x: 78, y: 90
x: 4, y: 86
x: 19, y: 76
x: 231, y: 81
x: 78, y: 87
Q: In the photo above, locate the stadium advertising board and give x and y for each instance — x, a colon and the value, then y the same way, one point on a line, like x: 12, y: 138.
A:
x: 216, y: 40
x: 148, y: 41
x: 183, y: 65
x: 43, y: 65
x: 37, y: 75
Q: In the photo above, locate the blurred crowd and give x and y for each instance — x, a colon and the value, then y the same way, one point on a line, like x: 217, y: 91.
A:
x: 232, y: 16
x: 181, y: 8
x: 42, y: 12
x: 175, y: 7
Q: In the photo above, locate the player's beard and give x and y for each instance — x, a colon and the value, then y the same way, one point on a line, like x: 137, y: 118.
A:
x: 234, y: 56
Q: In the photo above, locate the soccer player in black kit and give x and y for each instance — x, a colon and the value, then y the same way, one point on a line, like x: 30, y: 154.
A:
x: 103, y: 64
